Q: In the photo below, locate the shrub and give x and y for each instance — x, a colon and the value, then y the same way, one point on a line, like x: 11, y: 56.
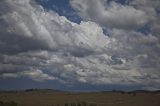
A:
x: 1, y: 103
x: 12, y: 103
x: 73, y: 104
x: 92, y: 105
x: 66, y: 104
x: 78, y: 104
x: 84, y: 103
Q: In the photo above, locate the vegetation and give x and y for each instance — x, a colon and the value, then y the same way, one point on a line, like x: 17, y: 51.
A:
x: 34, y: 97
x: 79, y: 104
x: 12, y: 103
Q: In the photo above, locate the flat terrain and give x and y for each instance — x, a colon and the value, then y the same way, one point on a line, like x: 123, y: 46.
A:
x: 41, y: 98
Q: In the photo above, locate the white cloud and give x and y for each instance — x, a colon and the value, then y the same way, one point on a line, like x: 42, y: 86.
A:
x: 34, y: 74
x: 151, y: 8
x: 110, y: 15
x: 34, y: 42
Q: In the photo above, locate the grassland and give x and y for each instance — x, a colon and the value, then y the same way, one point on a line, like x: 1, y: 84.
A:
x: 56, y: 98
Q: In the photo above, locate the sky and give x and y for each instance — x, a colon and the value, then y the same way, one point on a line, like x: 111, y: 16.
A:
x: 80, y: 45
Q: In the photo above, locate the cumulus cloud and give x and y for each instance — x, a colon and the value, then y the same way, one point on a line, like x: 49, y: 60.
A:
x: 110, y: 15
x: 28, y: 31
x: 41, y: 45
x: 36, y: 75
x: 152, y: 8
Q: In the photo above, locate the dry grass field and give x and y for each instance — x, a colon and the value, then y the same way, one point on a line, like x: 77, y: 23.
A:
x: 48, y: 98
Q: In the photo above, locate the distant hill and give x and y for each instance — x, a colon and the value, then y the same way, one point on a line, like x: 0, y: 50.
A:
x: 56, y: 90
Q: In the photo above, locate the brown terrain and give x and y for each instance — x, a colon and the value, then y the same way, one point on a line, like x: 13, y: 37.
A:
x: 58, y: 98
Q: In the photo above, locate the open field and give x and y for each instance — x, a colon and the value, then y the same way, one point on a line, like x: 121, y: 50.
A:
x: 50, y: 98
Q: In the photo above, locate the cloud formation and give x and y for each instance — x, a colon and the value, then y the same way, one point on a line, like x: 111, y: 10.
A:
x: 110, y: 14
x: 41, y: 45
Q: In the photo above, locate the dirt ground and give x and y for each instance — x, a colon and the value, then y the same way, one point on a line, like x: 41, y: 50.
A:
x: 36, y: 98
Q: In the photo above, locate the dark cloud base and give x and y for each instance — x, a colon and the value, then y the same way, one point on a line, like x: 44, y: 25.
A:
x: 18, y: 84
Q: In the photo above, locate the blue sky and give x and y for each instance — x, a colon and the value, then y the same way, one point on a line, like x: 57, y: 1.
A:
x: 62, y: 7
x: 80, y: 45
